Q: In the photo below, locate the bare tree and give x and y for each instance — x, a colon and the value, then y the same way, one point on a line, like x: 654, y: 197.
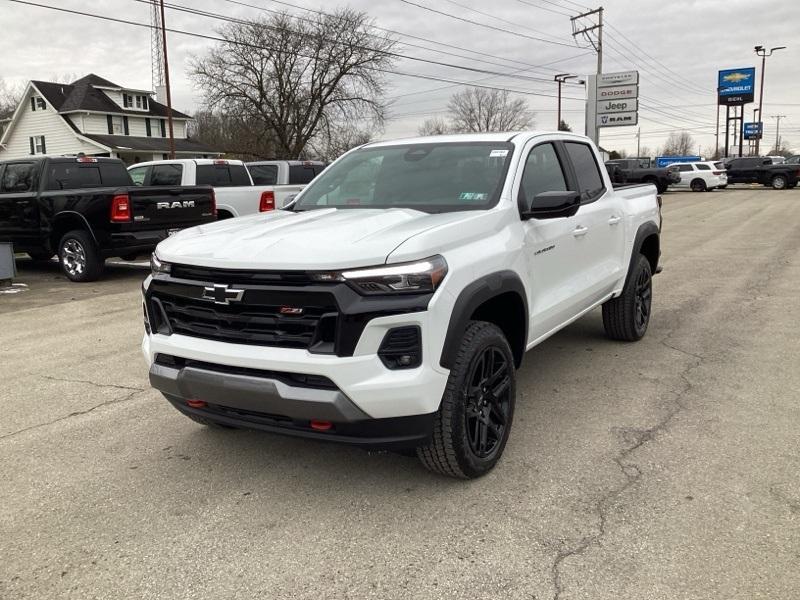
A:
x: 564, y: 126
x: 296, y: 78
x: 332, y: 142
x: 480, y: 109
x: 10, y: 97
x: 434, y: 126
x: 237, y: 136
x: 679, y: 144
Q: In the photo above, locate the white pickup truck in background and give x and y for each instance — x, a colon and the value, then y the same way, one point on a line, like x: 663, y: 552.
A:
x: 287, y: 177
x: 235, y: 192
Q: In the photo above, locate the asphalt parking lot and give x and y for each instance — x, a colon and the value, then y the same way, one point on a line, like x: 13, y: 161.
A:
x: 662, y: 469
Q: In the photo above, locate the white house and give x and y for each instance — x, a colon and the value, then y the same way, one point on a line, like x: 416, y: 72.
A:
x: 98, y: 118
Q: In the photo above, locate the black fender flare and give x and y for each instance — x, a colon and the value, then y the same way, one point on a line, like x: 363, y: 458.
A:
x: 470, y: 298
x: 71, y: 214
x: 645, y: 231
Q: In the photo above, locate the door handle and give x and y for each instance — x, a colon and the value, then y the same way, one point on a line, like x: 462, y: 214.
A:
x: 614, y: 220
x: 580, y: 231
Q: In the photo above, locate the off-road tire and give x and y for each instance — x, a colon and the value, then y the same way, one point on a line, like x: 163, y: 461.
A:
x: 780, y: 182
x: 449, y: 452
x: 621, y: 315
x: 698, y: 185
x: 79, y: 243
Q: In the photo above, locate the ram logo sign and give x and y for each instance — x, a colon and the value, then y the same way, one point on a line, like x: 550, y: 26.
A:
x: 736, y: 86
x: 175, y: 204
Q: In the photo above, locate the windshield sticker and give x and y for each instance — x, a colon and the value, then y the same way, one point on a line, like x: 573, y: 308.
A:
x: 498, y: 153
x: 473, y: 196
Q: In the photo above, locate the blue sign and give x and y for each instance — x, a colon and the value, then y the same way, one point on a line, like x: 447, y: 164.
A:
x: 663, y: 161
x: 753, y: 131
x: 736, y: 86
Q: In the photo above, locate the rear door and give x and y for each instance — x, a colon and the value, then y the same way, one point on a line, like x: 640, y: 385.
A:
x: 19, y: 208
x: 687, y: 173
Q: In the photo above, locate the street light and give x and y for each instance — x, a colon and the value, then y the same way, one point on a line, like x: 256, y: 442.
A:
x: 763, y: 53
x: 561, y: 78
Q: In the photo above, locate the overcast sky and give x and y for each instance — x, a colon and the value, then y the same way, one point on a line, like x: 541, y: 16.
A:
x: 677, y: 46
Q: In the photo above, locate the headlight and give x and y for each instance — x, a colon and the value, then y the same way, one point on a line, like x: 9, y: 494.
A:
x: 158, y: 266
x: 418, y: 277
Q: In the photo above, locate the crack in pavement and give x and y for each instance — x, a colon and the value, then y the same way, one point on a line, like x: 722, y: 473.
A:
x: 77, y: 413
x: 635, y: 438
x: 99, y: 385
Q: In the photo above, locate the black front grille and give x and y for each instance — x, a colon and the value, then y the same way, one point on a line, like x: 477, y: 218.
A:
x: 232, y: 276
x: 256, y: 320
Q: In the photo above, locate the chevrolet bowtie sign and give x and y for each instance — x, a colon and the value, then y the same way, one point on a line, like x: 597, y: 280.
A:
x: 616, y: 99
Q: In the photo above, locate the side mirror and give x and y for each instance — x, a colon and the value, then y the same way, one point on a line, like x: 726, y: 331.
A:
x: 553, y: 205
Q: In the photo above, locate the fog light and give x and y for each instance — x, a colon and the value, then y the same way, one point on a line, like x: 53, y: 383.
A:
x: 401, y: 348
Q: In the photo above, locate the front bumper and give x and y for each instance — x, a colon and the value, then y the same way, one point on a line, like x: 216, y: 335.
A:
x: 265, y: 401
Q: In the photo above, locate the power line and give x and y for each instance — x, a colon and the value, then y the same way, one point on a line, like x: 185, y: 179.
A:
x: 486, y: 25
x: 245, y: 44
x: 558, y: 12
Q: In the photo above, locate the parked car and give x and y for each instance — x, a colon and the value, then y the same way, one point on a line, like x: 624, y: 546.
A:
x: 87, y: 209
x: 631, y: 172
x: 390, y: 304
x: 793, y: 160
x: 759, y: 169
x: 235, y: 192
x: 777, y: 160
x: 287, y: 177
x: 701, y: 176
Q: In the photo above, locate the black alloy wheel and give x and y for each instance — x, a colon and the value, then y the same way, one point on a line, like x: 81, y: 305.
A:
x: 642, y: 299
x: 487, y: 399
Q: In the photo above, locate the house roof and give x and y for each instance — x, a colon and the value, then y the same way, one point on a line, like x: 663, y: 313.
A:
x: 83, y: 95
x: 149, y: 144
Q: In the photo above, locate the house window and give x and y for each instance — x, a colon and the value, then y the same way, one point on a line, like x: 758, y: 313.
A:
x: 148, y: 128
x: 38, y: 145
x: 144, y: 103
x: 141, y: 102
x: 138, y: 102
x: 127, y: 100
x: 117, y: 126
x: 38, y: 103
x: 163, y: 127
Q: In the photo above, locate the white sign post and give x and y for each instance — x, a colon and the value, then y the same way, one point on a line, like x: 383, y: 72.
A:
x: 613, y: 101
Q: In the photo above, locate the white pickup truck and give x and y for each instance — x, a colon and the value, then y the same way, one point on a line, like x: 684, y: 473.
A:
x: 234, y: 190
x: 287, y: 177
x: 391, y: 303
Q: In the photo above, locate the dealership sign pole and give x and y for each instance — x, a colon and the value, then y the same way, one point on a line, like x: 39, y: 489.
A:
x: 735, y: 87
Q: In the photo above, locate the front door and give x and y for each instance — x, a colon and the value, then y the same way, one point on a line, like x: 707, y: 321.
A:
x: 19, y: 211
x: 550, y: 246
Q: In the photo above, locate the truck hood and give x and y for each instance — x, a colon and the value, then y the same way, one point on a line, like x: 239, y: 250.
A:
x: 318, y: 239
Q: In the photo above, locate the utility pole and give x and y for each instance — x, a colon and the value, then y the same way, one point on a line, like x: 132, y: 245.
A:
x: 763, y: 53
x: 778, y: 132
x: 596, y: 41
x: 166, y: 82
x: 638, y: 142
x: 560, y: 79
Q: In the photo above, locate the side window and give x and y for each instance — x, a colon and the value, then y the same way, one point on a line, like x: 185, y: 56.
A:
x: 264, y: 174
x: 703, y: 167
x: 685, y: 168
x: 72, y: 176
x: 543, y: 173
x: 238, y: 175
x: 299, y: 174
x: 138, y: 174
x: 169, y: 174
x: 18, y: 178
x: 590, y: 182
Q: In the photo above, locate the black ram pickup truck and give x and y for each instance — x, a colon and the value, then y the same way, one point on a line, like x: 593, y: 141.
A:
x: 757, y: 169
x: 87, y: 209
x: 629, y: 170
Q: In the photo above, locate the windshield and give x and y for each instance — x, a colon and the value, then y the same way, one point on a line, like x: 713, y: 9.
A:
x: 428, y: 177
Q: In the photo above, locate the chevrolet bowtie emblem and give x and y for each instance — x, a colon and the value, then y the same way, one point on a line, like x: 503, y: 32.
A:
x: 222, y: 294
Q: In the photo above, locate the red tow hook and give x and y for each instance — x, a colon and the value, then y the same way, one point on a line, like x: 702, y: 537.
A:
x: 197, y: 403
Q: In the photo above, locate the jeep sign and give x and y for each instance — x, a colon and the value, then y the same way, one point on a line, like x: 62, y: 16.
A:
x: 616, y: 106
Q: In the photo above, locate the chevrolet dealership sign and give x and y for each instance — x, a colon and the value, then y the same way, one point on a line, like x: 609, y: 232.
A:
x: 736, y: 86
